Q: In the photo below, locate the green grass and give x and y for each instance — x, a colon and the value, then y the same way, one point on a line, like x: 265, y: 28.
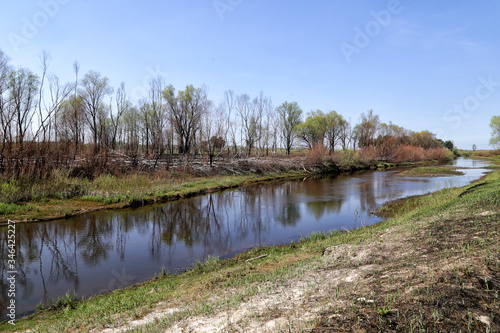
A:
x: 430, y: 171
x: 66, y: 196
x: 11, y: 209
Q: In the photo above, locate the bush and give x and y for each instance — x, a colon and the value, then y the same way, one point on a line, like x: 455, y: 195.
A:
x: 10, y: 192
x: 347, y: 159
x: 316, y: 156
x: 486, y: 153
x: 58, y: 185
x: 368, y: 154
x: 407, y: 153
x: 439, y: 154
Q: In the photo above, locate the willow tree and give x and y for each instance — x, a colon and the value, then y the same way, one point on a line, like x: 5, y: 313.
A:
x: 312, y: 130
x: 289, y: 118
x: 334, y: 125
x: 94, y: 88
x: 367, y: 129
x: 186, y: 109
x: 23, y: 87
x: 495, y: 132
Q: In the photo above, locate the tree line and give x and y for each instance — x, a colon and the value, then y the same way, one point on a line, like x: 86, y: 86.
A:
x: 46, y: 124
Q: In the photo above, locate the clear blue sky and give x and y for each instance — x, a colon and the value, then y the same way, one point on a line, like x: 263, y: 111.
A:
x: 422, y: 65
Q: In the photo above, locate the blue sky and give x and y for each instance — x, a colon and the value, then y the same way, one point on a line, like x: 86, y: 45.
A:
x: 420, y: 64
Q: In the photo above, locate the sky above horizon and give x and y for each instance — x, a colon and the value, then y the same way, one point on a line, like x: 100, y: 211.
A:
x: 423, y: 65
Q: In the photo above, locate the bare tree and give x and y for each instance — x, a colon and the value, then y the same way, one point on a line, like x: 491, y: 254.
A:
x: 186, y: 110
x: 58, y: 94
x: 122, y: 104
x: 94, y: 89
x: 77, y: 110
x: 260, y: 103
x: 267, y: 132
x: 249, y: 127
x: 132, y: 128
x: 45, y: 60
x: 213, y: 130
x: 334, y: 123
x: 367, y: 129
x: 5, y: 114
x: 158, y: 117
x: 345, y: 135
x: 145, y: 118
x: 23, y: 86
x: 228, y: 103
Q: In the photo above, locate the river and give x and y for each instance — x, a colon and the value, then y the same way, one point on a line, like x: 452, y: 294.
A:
x: 102, y: 251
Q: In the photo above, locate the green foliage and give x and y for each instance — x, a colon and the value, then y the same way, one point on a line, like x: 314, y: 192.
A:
x: 349, y: 159
x: 383, y: 311
x: 312, y: 131
x: 289, y: 114
x: 10, y: 192
x: 495, y: 132
x: 367, y: 129
x: 449, y: 145
x: 58, y: 186
x: 334, y: 125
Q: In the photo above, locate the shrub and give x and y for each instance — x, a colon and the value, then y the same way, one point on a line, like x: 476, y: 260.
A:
x: 347, y: 159
x: 439, y: 154
x: 10, y: 191
x: 368, y: 154
x: 407, y: 153
x: 486, y: 153
x: 315, y: 156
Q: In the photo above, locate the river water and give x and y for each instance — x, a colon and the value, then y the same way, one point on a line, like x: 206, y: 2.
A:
x: 102, y: 251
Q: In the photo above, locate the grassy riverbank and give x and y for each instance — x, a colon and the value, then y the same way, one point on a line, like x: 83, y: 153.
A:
x: 433, y: 266
x: 430, y: 171
x: 111, y: 192
x: 65, y: 195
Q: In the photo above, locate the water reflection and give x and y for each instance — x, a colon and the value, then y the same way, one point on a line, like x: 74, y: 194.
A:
x: 98, y: 252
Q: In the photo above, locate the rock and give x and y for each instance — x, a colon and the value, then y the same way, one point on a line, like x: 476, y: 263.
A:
x: 485, y: 320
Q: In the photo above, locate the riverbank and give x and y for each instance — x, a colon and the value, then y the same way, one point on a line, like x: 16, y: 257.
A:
x: 65, y: 196
x: 430, y: 171
x: 434, y: 265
